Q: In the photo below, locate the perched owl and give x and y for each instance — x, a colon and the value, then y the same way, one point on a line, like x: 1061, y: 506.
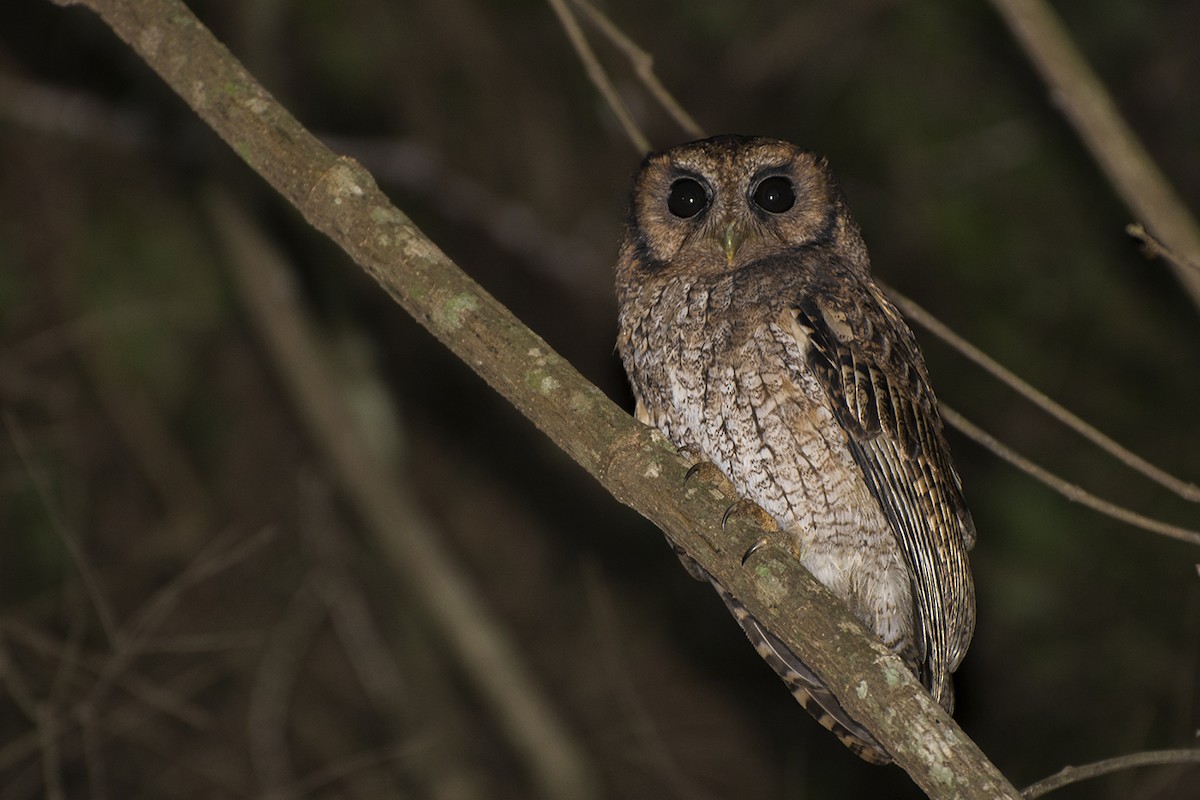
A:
x: 755, y: 338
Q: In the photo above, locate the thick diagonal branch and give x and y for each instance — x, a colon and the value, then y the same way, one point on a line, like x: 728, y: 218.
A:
x: 337, y: 196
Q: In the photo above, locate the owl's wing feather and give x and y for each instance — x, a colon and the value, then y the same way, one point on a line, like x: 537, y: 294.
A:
x: 866, y: 360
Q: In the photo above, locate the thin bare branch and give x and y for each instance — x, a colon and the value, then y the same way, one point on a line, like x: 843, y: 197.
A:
x: 204, y: 642
x: 1153, y: 248
x: 346, y: 605
x: 128, y: 714
x: 279, y: 669
x: 643, y: 67
x: 51, y: 755
x: 1082, y: 98
x: 149, y: 694
x: 1069, y: 775
x: 69, y: 658
x: 1063, y: 487
x: 221, y: 554
x: 78, y: 555
x: 312, y: 785
x: 93, y: 756
x: 598, y: 76
x: 53, y: 720
x: 916, y: 313
x: 140, y: 424
x: 649, y: 739
x: 14, y: 682
x: 196, y: 774
x: 72, y: 114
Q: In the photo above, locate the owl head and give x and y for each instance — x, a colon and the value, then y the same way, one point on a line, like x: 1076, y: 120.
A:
x: 720, y: 204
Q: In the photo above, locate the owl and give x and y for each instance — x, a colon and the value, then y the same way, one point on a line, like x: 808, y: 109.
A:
x: 755, y: 338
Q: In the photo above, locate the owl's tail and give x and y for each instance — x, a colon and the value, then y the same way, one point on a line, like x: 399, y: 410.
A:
x: 803, y: 683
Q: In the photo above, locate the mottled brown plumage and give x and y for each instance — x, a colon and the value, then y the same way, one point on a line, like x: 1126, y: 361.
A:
x: 755, y: 337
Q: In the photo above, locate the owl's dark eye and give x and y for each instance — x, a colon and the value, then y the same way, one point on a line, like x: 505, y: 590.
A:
x: 687, y: 198
x: 775, y: 194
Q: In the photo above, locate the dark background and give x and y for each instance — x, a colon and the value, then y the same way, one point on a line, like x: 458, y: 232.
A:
x: 143, y: 419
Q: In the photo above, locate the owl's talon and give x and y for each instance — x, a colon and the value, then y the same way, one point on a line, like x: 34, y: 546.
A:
x: 752, y: 510
x: 763, y: 541
x: 728, y: 511
x: 709, y: 475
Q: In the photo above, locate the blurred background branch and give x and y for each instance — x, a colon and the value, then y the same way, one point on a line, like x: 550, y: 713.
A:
x: 976, y: 199
x: 1082, y: 98
x: 382, y: 500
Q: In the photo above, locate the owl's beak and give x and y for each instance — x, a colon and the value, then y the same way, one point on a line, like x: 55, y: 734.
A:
x: 731, y: 241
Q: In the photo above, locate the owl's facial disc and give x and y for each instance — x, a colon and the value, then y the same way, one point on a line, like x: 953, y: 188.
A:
x: 721, y: 204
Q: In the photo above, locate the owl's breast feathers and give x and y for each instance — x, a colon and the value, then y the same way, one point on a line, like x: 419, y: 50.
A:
x: 839, y: 344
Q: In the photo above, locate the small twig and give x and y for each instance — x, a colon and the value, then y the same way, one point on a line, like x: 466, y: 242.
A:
x: 598, y: 76
x: 204, y: 777
x: 68, y: 666
x: 203, y: 643
x: 72, y: 114
x: 648, y: 738
x: 221, y: 554
x: 311, y: 785
x: 1153, y: 248
x: 275, y: 681
x: 643, y: 67
x: 130, y: 714
x: 69, y: 659
x: 1069, y: 775
x: 1078, y: 92
x: 145, y: 433
x: 1188, y: 491
x: 118, y: 317
x: 152, y: 695
x: 51, y: 754
x: 346, y: 604
x: 78, y: 555
x: 1063, y: 487
x: 53, y: 722
x: 14, y: 681
x: 93, y: 757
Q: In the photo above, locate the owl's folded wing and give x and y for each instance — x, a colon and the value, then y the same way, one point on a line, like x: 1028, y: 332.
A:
x: 866, y: 360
